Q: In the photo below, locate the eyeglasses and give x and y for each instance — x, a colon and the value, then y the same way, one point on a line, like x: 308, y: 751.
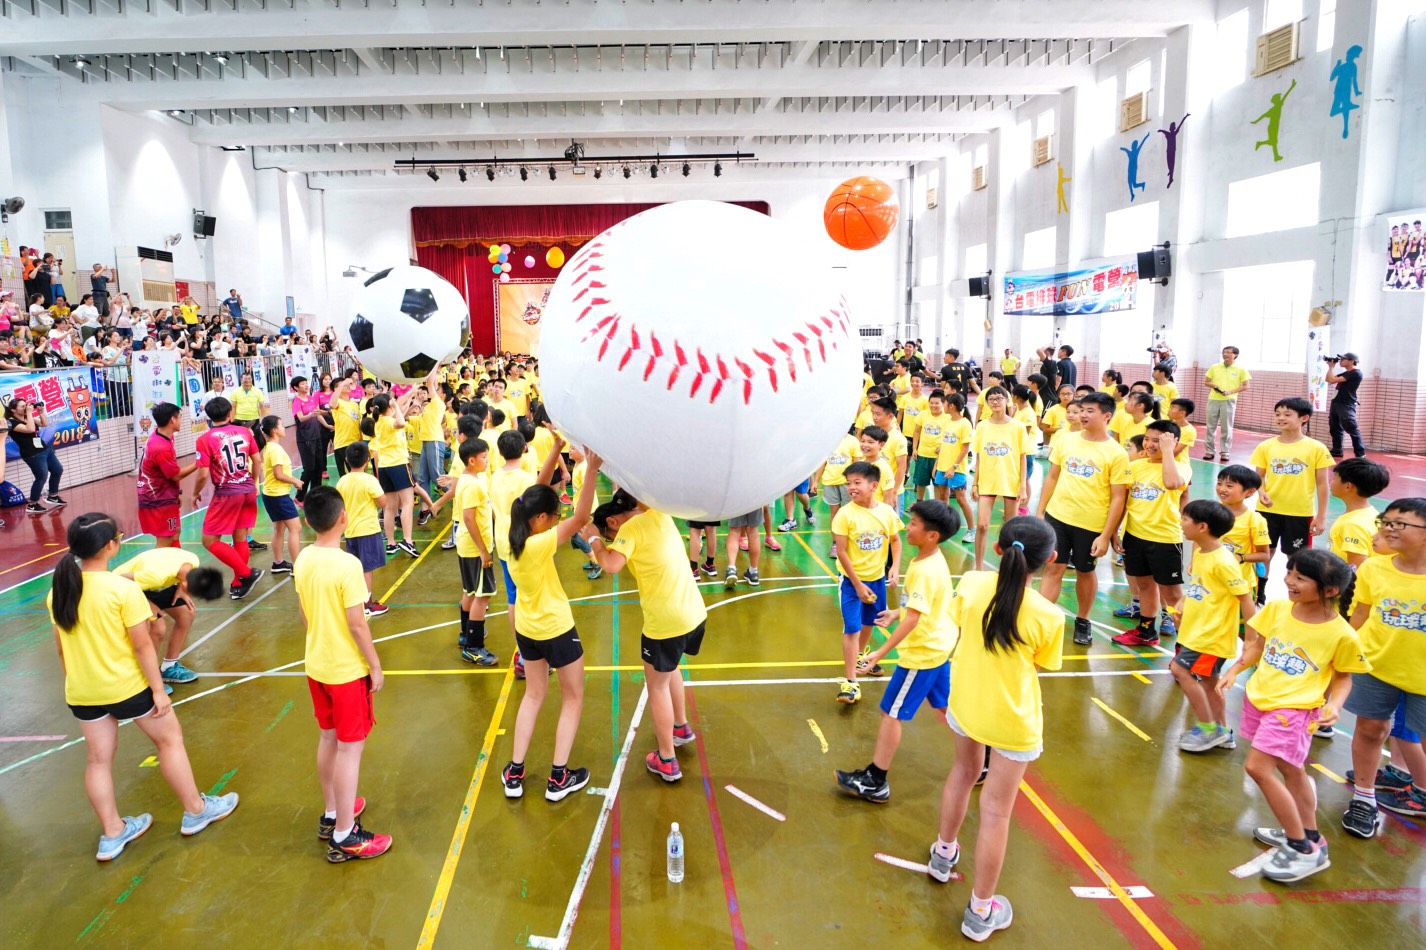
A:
x: 1396, y: 525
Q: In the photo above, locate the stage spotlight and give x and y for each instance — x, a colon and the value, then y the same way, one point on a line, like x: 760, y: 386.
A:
x: 490, y: 173
x: 552, y: 173
x: 461, y: 174
x: 627, y: 173
x: 431, y: 174
x: 717, y: 169
x: 598, y: 172
x: 686, y: 169
x: 653, y: 171
x: 524, y: 173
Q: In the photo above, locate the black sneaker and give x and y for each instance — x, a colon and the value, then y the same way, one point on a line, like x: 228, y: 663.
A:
x: 408, y: 547
x: 423, y: 518
x: 480, y: 656
x: 56, y: 501
x: 514, y: 780
x: 359, y: 845
x: 391, y: 550
x: 709, y: 569
x: 245, y: 586
x: 1082, y: 634
x: 563, y: 786
x: 861, y: 784
x: 35, y: 508
x: 282, y: 567
x: 256, y: 545
x: 1361, y: 820
x: 325, y: 825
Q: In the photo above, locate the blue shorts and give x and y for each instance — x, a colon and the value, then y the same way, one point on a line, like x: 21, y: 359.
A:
x: 804, y: 486
x: 908, y: 689
x: 279, y: 508
x: 1398, y: 725
x: 509, y: 583
x: 370, y: 549
x: 955, y: 483
x: 856, y: 614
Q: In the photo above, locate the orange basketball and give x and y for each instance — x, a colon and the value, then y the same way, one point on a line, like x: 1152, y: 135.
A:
x: 861, y: 212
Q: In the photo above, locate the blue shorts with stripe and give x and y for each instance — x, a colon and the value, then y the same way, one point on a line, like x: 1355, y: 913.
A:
x: 910, y: 688
x: 855, y: 613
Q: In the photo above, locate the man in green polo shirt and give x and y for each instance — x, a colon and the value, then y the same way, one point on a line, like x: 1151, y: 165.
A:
x: 1225, y: 381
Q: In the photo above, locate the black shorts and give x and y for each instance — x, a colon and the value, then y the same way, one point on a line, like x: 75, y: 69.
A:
x: 163, y: 599
x: 695, y: 525
x: 394, y: 478
x: 136, y: 706
x: 559, y: 652
x: 665, y: 655
x: 1159, y: 559
x: 476, y: 579
x: 1072, y: 544
x: 1288, y: 533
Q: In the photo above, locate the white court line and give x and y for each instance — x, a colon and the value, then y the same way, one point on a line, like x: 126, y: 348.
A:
x: 1254, y: 866
x: 1135, y: 891
x: 571, y: 910
x: 765, y: 809
x: 218, y: 629
x: 896, y: 862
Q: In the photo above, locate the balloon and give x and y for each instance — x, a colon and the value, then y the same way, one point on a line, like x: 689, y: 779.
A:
x: 554, y: 257
x: 492, y: 257
x: 529, y: 260
x: 720, y: 369
x: 505, y: 278
x: 860, y: 213
x: 505, y: 268
x: 403, y: 322
x: 502, y: 258
x: 494, y: 268
x: 504, y: 249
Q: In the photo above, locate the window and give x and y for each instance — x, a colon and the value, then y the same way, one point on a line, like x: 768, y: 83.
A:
x: 1280, y: 13
x: 1326, y: 24
x: 1039, y: 249
x: 1275, y: 202
x: 1265, y: 313
x: 1230, y: 59
x: 1137, y: 79
x: 59, y: 221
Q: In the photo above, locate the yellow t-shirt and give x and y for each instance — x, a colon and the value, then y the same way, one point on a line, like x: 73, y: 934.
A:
x: 1299, y: 658
x: 984, y: 413
x: 346, y: 423
x: 847, y: 451
x: 1352, y: 532
x: 863, y: 419
x: 157, y: 568
x: 543, y: 444
x: 658, y: 558
x: 274, y: 455
x: 995, y: 696
x: 1055, y: 418
x: 576, y: 478
x: 507, y: 407
x: 932, y: 430
x: 432, y: 416
x: 329, y: 582
x: 360, y: 491
x: 912, y: 408
x: 1088, y: 471
x: 929, y: 592
x: 1187, y: 436
x: 247, y: 404
x: 542, y: 608
x: 900, y: 386
x: 517, y: 393
x: 886, y: 481
x: 415, y: 432
x: 1210, y: 608
x: 505, y: 486
x: 1129, y: 428
x: 1026, y: 417
x: 1151, y: 510
x: 1290, y: 473
x: 1111, y: 389
x: 1008, y: 365
x: 1391, y: 636
x: 189, y: 313
x: 388, y: 446
x: 1226, y: 377
x: 100, y: 666
x: 897, y: 445
x: 1000, y: 457
x: 1248, y: 536
x: 868, y: 532
x: 1167, y: 393
x: 472, y: 492
x: 529, y: 463
x: 955, y: 434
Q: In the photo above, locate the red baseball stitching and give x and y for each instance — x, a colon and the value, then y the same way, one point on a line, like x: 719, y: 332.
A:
x: 585, y: 271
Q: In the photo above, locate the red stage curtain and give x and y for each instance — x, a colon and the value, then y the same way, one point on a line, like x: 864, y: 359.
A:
x: 454, y: 243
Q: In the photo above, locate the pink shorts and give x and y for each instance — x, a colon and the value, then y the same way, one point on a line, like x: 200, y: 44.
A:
x: 230, y: 515
x: 1284, y: 733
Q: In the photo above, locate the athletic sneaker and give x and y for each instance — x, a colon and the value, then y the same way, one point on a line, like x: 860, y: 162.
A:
x: 1082, y: 635
x: 696, y: 576
x: 448, y: 544
x: 666, y: 770
x: 789, y: 525
x: 940, y: 867
x: 1361, y: 820
x: 256, y: 545
x: 408, y: 547
x: 35, y: 508
x: 772, y: 543
x: 1197, y: 740
x: 596, y: 572
x: 751, y: 576
x: 731, y: 581
x: 519, y: 666
x: 807, y: 513
x: 1408, y: 802
x: 375, y: 608
x: 1231, y: 743
x: 134, y: 827
x: 178, y: 673
x: 1129, y: 611
x: 875, y: 669
x: 1288, y: 864
x: 167, y: 690
x: 480, y: 656
x: 864, y: 785
x: 215, y: 808
x: 282, y: 567
x: 1136, y: 638
x: 359, y: 845
x: 55, y: 501
x: 325, y: 825
x: 513, y: 779
x: 1278, y: 838
x: 968, y: 537
x: 709, y: 568
x: 980, y: 928
x: 1166, y: 625
x: 557, y: 789
x: 683, y: 735
x: 849, y: 692
x: 1389, y: 777
x: 245, y: 586
x: 423, y: 518
x: 1323, y: 732
x: 391, y: 550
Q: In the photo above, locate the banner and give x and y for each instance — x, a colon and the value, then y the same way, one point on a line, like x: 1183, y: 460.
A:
x: 519, y: 307
x: 193, y: 392
x: 1319, y: 347
x: 230, y: 371
x: 155, y: 380
x: 304, y: 362
x: 1405, y: 252
x: 68, y: 401
x: 1095, y: 287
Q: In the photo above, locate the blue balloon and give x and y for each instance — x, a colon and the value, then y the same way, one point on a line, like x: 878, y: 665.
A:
x: 494, y: 268
x: 504, y: 258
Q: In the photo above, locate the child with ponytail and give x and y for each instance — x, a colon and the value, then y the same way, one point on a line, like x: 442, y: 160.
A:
x: 276, y: 498
x: 1007, y: 629
x: 111, y: 674
x: 545, y: 631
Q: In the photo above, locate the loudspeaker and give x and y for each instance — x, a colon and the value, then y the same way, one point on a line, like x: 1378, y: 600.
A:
x: 204, y: 225
x: 1155, y: 264
x: 979, y: 286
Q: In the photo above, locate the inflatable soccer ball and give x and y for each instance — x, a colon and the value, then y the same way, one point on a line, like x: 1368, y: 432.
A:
x: 404, y: 322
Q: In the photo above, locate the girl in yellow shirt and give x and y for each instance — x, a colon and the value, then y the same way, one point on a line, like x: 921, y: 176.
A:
x: 385, y: 426
x: 545, y: 631
x: 276, y: 476
x: 101, y: 626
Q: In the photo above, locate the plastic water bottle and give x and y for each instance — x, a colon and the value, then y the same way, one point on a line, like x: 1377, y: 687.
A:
x: 675, y: 855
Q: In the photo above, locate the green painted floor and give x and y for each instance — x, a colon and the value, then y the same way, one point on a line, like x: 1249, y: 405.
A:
x: 1104, y: 807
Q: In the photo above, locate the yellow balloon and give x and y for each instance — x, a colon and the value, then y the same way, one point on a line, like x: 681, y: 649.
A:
x: 554, y: 257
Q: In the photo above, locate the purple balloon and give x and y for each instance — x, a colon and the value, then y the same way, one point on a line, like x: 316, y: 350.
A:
x: 529, y: 260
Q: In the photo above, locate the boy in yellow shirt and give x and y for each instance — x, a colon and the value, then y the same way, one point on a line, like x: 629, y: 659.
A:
x: 1294, y: 471
x: 898, y: 449
x: 343, y: 672
x: 475, y: 550
x: 1179, y: 410
x: 1001, y: 445
x: 862, y: 533
x: 1355, y: 482
x: 1153, y: 534
x: 873, y: 443
x: 924, y: 640
x: 362, y: 496
x: 930, y: 428
x: 913, y: 404
x: 953, y: 458
x: 1248, y: 539
x: 1214, y: 593
x: 832, y: 475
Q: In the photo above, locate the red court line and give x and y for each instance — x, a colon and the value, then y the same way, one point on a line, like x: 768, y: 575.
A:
x: 735, y: 913
x: 1388, y: 895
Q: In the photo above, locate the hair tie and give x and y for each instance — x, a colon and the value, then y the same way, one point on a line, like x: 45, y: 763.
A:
x: 1017, y: 544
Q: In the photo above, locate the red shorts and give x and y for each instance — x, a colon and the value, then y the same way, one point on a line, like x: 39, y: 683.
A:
x: 230, y: 515
x: 159, y: 522
x: 345, y: 707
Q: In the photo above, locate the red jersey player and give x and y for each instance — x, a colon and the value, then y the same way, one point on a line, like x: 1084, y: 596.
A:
x: 228, y: 454
x: 159, y: 477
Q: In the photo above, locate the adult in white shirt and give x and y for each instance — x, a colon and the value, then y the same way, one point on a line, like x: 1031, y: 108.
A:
x: 220, y: 347
x: 86, y: 315
x: 40, y: 318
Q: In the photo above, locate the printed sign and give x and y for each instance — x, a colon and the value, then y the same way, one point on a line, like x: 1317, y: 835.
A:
x: 1095, y: 287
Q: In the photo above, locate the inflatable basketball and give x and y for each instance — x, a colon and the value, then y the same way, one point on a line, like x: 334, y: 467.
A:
x: 860, y: 213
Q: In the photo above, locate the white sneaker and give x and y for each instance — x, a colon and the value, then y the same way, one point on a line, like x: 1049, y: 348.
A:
x: 1288, y: 864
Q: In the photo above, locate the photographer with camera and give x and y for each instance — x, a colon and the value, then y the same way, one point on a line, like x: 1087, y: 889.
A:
x: 1343, y: 373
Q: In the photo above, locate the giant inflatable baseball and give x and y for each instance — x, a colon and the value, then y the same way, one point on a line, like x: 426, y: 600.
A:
x: 404, y: 321
x: 711, y: 378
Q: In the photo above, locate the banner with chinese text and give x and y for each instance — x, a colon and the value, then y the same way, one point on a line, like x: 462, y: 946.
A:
x: 155, y: 380
x: 68, y: 401
x: 1094, y: 287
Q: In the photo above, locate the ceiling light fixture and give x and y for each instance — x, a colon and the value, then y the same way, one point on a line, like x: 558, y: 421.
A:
x: 489, y: 172
x: 717, y: 169
x: 524, y: 173
x: 598, y: 172
x: 431, y: 174
x: 686, y: 169
x: 552, y: 173
x: 80, y: 60
x: 233, y: 148
x: 461, y: 174
x: 627, y: 172
x: 653, y: 171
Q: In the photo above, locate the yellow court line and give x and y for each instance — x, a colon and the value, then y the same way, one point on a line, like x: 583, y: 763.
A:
x: 440, y: 536
x: 1110, y: 656
x: 1157, y: 935
x: 1329, y: 773
x: 820, y: 563
x: 32, y: 560
x: 1141, y: 678
x: 472, y: 795
x: 1127, y: 724
x: 817, y: 731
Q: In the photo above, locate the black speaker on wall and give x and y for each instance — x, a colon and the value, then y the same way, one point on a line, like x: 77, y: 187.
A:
x: 204, y: 225
x: 1156, y: 264
x: 979, y: 286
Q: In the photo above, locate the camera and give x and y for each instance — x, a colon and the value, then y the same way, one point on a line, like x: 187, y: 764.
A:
x: 1334, y: 359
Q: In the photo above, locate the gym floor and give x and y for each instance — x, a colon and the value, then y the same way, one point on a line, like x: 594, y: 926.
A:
x: 1118, y: 839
